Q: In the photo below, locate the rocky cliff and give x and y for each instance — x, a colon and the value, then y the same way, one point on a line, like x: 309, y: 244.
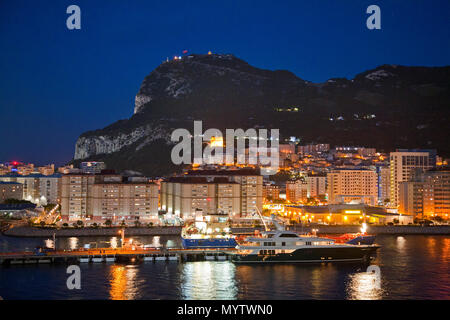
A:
x: 388, y: 107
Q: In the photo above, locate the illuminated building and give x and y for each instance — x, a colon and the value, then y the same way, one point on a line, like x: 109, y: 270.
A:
x: 427, y: 195
x: 352, y: 185
x: 296, y: 190
x: 108, y: 196
x: 384, y: 183
x: 271, y: 191
x: 184, y: 196
x: 37, y: 188
x: 403, y: 165
x: 47, y: 170
x: 10, y: 190
x: 92, y: 167
x: 238, y: 193
x: 344, y: 214
x: 316, y: 185
x: 314, y: 148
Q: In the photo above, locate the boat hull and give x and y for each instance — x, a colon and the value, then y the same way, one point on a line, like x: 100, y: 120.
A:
x: 208, y: 243
x: 316, y: 255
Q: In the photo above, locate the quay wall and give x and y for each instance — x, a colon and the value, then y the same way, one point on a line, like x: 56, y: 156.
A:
x: 26, y: 231
x: 406, y: 229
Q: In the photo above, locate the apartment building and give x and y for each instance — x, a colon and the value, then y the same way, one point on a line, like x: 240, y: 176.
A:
x: 403, y: 165
x: 316, y: 185
x: 184, y: 196
x: 352, y: 186
x: 427, y: 195
x: 108, y: 196
x: 271, y: 191
x: 37, y: 188
x: 297, y: 190
x: 237, y: 193
x: 10, y: 190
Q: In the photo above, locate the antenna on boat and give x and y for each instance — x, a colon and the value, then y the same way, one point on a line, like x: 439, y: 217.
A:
x: 262, y: 219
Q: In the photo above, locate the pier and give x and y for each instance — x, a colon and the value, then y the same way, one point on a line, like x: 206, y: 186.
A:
x: 108, y: 255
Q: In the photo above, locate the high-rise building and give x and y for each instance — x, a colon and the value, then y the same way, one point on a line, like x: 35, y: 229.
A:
x: 271, y: 191
x: 403, y: 165
x: 316, y: 185
x: 352, y: 185
x: 234, y: 192
x: 297, y: 190
x: 37, y: 188
x: 108, y: 196
x: 184, y: 196
x: 384, y: 183
x: 10, y: 190
x: 313, y: 148
x: 49, y: 188
x: 427, y: 195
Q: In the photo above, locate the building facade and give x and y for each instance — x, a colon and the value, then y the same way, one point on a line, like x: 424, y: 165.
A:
x: 352, y: 186
x: 316, y: 185
x: 98, y: 198
x: 297, y: 190
x: 10, y: 190
x: 427, y: 195
x: 403, y: 165
x: 238, y: 193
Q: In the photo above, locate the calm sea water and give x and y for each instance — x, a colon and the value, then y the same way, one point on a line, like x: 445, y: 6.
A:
x: 412, y: 267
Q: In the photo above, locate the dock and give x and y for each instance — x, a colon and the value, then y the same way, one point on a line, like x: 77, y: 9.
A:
x: 108, y: 255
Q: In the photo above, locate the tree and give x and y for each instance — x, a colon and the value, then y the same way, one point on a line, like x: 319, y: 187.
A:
x: 108, y: 223
x: 80, y: 223
x: 137, y: 223
x: 65, y: 225
x: 42, y: 223
x: 94, y: 225
x: 150, y: 224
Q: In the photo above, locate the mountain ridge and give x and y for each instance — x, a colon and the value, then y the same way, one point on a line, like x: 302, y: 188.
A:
x: 403, y: 106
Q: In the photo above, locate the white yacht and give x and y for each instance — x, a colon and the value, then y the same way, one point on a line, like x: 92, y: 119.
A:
x: 287, y: 246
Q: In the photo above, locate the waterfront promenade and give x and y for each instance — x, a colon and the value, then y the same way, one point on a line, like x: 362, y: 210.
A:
x: 25, y: 231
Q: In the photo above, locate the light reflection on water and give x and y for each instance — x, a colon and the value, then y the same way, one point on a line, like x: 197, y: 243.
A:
x: 208, y: 280
x: 363, y: 286
x: 412, y: 267
x: 124, y: 282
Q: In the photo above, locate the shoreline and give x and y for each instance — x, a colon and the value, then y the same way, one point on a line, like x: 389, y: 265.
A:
x: 33, y: 232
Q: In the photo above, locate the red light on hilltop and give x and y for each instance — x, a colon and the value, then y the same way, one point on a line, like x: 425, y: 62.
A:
x: 15, y: 163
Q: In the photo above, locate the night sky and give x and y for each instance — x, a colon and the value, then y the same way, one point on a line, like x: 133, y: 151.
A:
x: 57, y: 83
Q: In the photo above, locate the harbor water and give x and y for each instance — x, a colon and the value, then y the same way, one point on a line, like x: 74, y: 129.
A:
x: 411, y: 267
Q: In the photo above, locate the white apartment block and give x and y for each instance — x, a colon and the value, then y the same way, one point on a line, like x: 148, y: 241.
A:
x: 316, y: 185
x: 237, y: 193
x: 403, y: 166
x: 352, y: 186
x: 98, y: 198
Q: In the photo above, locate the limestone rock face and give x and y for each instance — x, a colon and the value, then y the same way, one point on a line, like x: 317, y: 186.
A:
x: 388, y: 107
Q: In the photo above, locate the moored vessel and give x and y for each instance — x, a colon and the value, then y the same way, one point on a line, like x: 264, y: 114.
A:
x: 287, y: 246
x: 209, y: 231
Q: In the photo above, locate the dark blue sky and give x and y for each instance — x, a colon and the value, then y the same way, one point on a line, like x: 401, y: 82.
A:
x: 56, y: 83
